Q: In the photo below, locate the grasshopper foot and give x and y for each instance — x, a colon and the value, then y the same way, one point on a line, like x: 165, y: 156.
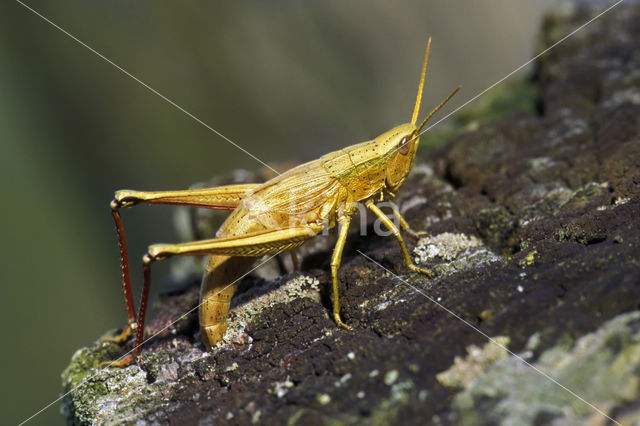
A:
x: 427, y: 272
x: 120, y: 339
x: 118, y: 364
x: 336, y: 317
x: 416, y: 234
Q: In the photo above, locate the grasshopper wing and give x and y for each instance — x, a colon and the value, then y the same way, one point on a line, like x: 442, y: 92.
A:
x: 301, y: 191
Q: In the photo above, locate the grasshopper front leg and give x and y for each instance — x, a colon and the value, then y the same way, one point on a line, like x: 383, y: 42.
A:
x: 404, y: 224
x: 396, y: 233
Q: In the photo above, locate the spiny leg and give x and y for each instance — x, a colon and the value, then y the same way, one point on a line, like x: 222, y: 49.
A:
x: 142, y: 312
x: 335, y: 264
x: 404, y: 224
x: 126, y: 278
x: 394, y: 230
x: 220, y: 198
x: 250, y: 245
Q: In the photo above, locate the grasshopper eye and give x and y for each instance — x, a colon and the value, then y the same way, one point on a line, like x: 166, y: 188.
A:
x: 403, y: 145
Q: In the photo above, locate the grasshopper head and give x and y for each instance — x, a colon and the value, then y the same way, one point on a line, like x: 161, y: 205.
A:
x: 400, y: 145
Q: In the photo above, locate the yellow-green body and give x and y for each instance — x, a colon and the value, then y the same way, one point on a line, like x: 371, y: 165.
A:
x: 311, y: 197
x: 279, y: 215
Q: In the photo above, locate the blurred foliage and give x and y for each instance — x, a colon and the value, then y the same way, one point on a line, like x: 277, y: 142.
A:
x: 519, y: 94
x: 511, y: 96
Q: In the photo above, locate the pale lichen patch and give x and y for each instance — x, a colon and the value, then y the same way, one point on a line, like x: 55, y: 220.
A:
x: 400, y: 391
x: 465, y: 371
x: 449, y: 252
x: 248, y: 307
x: 446, y: 246
x: 621, y: 200
x: 168, y: 372
x: 626, y: 95
x: 280, y: 389
x: 602, y: 365
x: 323, y: 399
x: 391, y: 377
x: 344, y: 379
x: 392, y: 301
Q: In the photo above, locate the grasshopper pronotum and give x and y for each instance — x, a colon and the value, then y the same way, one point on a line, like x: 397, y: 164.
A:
x: 278, y: 215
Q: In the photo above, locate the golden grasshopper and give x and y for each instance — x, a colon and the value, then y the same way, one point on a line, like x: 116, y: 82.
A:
x: 278, y: 215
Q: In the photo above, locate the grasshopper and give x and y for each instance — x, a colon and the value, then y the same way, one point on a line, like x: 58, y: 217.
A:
x: 276, y: 216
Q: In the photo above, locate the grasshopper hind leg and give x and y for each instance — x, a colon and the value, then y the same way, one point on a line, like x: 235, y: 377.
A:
x: 123, y: 336
x: 126, y: 278
x: 219, y: 198
x: 218, y: 287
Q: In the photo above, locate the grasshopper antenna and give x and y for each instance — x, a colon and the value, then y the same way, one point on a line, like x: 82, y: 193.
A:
x: 416, y: 109
x: 417, y: 131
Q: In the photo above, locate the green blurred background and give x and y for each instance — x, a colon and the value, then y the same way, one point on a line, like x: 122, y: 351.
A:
x: 285, y: 80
